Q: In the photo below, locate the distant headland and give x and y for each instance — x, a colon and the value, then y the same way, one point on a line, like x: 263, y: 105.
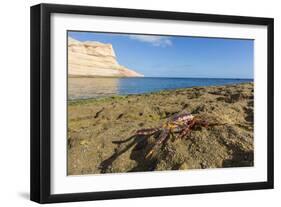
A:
x: 95, y: 59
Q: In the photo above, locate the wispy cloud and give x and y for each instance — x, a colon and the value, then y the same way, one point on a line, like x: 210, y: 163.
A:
x: 157, y: 41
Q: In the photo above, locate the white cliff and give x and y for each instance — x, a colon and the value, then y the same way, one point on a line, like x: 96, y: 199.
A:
x: 92, y: 58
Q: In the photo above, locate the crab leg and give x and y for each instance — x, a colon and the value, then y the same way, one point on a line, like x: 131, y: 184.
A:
x: 147, y: 131
x: 184, y: 132
x: 201, y: 123
x: 164, y: 134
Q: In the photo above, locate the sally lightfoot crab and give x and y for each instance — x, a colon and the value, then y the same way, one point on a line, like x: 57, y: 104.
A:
x: 178, y: 126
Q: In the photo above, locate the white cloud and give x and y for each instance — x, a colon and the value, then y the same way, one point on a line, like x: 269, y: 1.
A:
x: 158, y: 41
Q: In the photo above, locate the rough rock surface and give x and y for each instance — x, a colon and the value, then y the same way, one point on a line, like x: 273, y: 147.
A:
x: 94, y: 125
x: 92, y: 58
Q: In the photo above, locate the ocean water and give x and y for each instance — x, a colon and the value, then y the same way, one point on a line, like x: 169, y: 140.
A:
x: 84, y: 88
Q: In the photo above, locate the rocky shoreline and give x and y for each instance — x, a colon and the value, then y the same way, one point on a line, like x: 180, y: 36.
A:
x: 95, y: 126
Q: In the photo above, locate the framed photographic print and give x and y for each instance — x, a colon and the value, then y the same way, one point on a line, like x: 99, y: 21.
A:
x: 132, y: 103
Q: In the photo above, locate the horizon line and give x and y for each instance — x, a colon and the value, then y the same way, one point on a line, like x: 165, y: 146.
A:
x: 156, y: 77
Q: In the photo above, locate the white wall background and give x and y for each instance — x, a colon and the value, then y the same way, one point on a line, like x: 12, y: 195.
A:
x: 14, y: 103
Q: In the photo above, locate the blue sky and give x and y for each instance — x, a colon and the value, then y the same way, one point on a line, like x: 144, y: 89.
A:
x: 175, y: 56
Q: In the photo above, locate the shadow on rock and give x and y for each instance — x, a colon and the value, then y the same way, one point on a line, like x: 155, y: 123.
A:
x: 140, y: 148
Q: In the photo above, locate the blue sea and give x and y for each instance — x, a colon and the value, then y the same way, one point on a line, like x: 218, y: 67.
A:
x: 85, y: 88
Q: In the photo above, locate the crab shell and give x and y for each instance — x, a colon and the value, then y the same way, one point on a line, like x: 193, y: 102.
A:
x: 182, y: 118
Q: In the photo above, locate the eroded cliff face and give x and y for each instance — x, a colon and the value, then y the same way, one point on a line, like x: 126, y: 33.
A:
x: 95, y: 59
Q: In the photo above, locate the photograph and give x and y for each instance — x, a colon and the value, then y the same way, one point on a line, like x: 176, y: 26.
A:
x: 133, y: 103
x: 141, y: 103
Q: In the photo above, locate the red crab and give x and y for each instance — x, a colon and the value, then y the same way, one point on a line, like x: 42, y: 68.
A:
x: 181, y: 124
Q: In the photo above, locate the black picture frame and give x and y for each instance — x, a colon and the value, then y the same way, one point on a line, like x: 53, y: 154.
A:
x: 41, y: 98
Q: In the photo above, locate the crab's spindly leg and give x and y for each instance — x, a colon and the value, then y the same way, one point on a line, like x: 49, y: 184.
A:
x: 164, y: 134
x: 147, y: 131
x: 141, y: 132
x: 184, y: 133
x: 203, y: 123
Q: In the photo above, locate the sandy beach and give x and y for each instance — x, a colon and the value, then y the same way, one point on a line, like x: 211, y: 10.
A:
x: 94, y: 126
